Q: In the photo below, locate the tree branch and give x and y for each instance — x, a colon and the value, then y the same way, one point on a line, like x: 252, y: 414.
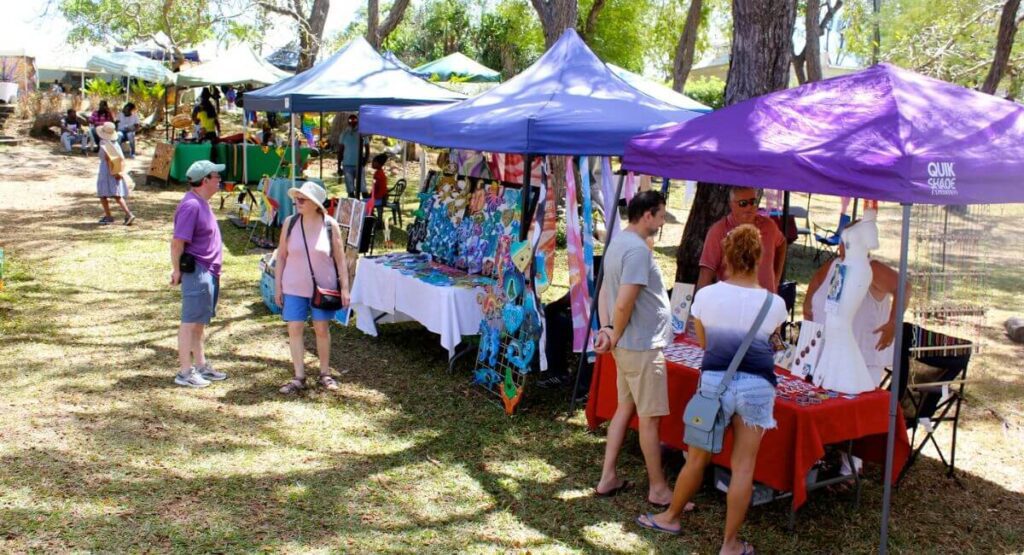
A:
x: 588, y: 28
x: 395, y: 15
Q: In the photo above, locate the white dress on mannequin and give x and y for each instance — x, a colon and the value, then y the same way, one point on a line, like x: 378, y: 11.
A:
x: 841, y: 366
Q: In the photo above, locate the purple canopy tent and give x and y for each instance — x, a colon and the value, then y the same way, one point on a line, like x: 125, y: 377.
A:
x: 883, y: 133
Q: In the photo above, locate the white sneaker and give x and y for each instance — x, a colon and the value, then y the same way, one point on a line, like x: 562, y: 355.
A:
x: 209, y: 374
x: 192, y: 379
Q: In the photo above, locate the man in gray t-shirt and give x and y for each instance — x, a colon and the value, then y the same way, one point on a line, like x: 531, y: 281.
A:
x: 636, y: 317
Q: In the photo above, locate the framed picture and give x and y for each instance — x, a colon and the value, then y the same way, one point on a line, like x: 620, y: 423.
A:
x: 682, y: 299
x: 356, y: 222
x: 344, y: 212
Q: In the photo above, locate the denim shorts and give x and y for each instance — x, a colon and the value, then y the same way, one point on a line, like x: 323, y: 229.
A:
x: 199, y: 292
x: 752, y: 397
x: 296, y: 309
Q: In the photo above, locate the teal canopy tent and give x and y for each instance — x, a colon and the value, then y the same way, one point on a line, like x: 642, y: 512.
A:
x: 460, y: 66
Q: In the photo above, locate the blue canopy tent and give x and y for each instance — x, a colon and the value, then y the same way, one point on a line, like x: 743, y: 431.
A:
x: 353, y: 76
x: 567, y: 103
x: 459, y: 65
x: 657, y: 90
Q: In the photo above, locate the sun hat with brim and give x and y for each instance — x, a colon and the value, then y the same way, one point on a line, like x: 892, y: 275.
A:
x: 311, y: 192
x: 202, y: 168
x: 107, y: 131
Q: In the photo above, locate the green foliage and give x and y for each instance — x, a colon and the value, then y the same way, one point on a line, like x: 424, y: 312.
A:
x: 178, y: 24
x: 102, y: 89
x: 952, y: 40
x: 709, y: 91
x: 621, y: 34
x: 669, y: 20
x: 510, y: 37
x: 147, y: 97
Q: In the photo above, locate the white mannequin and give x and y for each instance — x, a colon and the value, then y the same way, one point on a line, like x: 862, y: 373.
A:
x: 841, y: 366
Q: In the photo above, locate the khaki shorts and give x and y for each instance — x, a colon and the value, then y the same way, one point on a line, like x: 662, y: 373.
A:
x: 641, y: 379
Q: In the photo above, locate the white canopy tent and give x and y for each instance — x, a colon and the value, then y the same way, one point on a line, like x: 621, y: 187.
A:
x: 239, y: 66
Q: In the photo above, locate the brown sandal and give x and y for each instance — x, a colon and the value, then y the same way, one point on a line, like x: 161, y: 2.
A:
x: 294, y: 385
x: 327, y: 382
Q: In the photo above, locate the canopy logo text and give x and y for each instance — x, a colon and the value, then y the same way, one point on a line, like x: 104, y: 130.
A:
x: 942, y: 178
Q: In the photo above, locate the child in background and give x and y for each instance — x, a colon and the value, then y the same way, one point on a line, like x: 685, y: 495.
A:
x: 380, y: 183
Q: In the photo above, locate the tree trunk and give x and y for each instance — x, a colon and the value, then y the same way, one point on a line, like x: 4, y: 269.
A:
x: 311, y: 32
x: 372, y: 22
x: 685, y: 47
x: 555, y: 17
x: 812, y: 46
x: 1008, y: 24
x: 591, y: 24
x: 377, y: 32
x: 759, y: 64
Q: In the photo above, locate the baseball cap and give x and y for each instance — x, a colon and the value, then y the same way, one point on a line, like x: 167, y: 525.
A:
x: 202, y: 168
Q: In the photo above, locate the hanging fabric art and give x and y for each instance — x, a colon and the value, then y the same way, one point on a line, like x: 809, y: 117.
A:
x: 629, y: 190
x: 608, y: 188
x: 579, y: 291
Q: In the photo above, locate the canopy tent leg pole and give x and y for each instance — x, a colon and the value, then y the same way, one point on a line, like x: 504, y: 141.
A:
x: 245, y: 150
x: 405, y: 161
x: 785, y: 233
x: 524, y: 198
x: 609, y: 232
x: 894, y: 383
x: 319, y: 150
x: 359, y: 169
x: 854, y: 216
x: 291, y: 144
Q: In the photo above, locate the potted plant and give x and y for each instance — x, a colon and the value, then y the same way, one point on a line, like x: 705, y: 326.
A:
x: 8, y: 86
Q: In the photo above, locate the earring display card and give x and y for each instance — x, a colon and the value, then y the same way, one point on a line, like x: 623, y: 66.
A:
x: 682, y: 300
x: 808, y: 349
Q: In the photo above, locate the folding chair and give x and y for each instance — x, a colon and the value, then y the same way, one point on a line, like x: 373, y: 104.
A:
x: 394, y: 203
x: 932, y: 402
x: 828, y: 239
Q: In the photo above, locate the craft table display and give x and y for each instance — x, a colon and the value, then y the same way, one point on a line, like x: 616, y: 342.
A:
x: 185, y: 154
x: 410, y: 287
x: 259, y: 161
x: 808, y: 419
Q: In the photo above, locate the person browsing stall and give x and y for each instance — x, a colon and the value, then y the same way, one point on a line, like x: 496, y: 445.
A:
x: 310, y: 257
x: 348, y: 156
x: 743, y: 203
x: 636, y: 336
x: 723, y: 314
x: 196, y: 253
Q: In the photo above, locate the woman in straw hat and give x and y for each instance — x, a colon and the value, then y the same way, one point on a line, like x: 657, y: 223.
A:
x: 109, y: 183
x: 310, y: 255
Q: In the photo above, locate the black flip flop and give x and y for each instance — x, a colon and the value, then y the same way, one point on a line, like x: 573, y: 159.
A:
x: 625, y: 486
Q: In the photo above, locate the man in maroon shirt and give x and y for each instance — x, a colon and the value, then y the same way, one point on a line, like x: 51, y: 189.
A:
x: 743, y: 203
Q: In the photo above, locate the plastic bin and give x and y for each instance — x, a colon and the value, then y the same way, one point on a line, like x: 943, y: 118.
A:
x: 267, y: 291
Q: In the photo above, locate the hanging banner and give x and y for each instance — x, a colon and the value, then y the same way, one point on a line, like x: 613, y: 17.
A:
x: 578, y: 289
x: 630, y: 188
x: 611, y: 203
x: 588, y: 225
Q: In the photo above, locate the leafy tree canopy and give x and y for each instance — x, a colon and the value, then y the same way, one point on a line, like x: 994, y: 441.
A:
x: 952, y: 40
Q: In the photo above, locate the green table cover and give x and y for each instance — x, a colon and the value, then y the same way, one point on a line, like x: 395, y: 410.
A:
x: 185, y: 155
x: 260, y: 163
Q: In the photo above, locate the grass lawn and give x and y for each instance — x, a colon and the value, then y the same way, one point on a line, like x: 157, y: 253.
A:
x: 99, y: 451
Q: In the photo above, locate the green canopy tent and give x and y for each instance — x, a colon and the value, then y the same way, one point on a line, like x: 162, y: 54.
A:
x: 458, y: 65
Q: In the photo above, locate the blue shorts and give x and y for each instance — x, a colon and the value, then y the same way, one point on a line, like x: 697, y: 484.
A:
x: 199, y: 293
x: 296, y: 309
x: 752, y: 397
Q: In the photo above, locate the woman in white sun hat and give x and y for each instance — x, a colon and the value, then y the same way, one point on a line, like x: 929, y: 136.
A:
x: 110, y: 183
x: 310, y: 256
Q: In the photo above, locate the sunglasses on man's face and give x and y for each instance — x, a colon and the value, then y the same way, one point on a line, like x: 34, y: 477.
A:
x: 743, y: 203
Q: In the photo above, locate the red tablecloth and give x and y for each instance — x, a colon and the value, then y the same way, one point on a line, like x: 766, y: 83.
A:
x: 788, y: 452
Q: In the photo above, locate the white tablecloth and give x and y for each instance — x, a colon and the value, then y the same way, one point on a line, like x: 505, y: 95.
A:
x: 446, y: 310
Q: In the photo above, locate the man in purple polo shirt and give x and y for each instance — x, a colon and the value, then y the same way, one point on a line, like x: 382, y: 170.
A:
x: 196, y: 250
